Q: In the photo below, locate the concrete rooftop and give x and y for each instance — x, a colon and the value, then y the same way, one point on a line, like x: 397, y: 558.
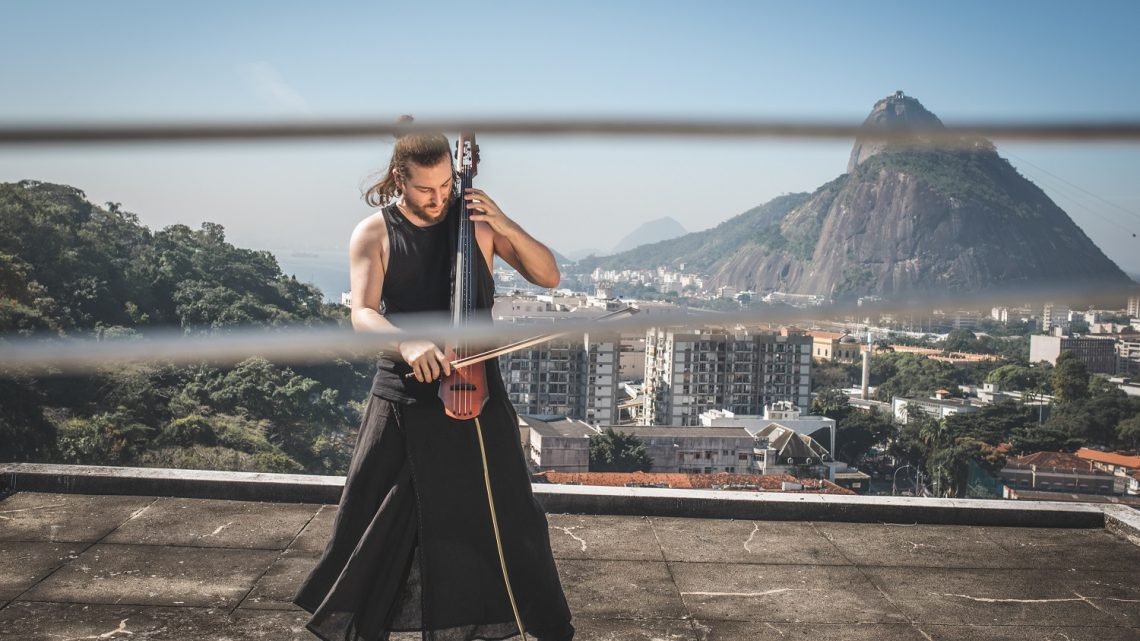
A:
x: 107, y: 566
x: 116, y: 567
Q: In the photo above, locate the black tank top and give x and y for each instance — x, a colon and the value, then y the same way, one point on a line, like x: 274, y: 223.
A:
x: 418, y: 281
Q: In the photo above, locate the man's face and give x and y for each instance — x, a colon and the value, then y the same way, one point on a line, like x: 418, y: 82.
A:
x: 428, y: 190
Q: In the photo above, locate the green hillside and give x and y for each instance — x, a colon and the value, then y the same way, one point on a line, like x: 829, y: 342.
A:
x: 72, y: 268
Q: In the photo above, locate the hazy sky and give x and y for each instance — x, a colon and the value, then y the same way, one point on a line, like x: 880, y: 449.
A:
x: 965, y: 61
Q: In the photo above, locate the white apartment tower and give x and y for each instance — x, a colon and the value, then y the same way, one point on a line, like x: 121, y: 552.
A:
x: 1054, y: 315
x: 688, y: 373
x: 563, y: 378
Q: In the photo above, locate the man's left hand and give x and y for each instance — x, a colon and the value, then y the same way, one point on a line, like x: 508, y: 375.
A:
x: 483, y: 209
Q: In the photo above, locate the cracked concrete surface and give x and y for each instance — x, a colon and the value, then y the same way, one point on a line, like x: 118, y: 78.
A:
x: 145, y: 568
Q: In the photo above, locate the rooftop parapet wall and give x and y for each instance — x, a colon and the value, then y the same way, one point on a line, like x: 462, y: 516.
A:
x: 577, y: 499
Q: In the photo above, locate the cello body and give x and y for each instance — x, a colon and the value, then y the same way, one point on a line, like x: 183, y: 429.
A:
x: 464, y: 391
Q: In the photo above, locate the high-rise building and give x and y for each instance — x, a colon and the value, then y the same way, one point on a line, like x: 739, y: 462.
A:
x: 560, y: 377
x: 688, y: 373
x: 1054, y: 315
x: 565, y: 378
x: 1134, y: 306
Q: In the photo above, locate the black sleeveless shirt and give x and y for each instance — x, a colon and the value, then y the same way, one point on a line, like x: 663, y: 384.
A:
x: 418, y: 281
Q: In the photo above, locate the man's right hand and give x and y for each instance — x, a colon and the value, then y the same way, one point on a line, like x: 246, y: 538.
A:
x: 426, y: 359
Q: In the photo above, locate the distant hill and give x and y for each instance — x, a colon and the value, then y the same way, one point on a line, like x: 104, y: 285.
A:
x: 700, y: 251
x: 579, y: 254
x: 903, y: 219
x: 650, y: 232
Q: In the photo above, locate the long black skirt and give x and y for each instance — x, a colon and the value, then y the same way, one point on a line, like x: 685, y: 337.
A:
x: 413, y: 547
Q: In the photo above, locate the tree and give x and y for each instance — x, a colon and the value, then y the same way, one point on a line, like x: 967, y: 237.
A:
x: 831, y: 403
x: 826, y: 375
x: 1051, y: 436
x: 909, y: 375
x: 1013, y: 376
x: 993, y: 424
x: 960, y: 340
x: 25, y: 433
x: 857, y: 432
x: 1070, y: 379
x: 613, y: 451
x: 1128, y: 431
x: 948, y: 452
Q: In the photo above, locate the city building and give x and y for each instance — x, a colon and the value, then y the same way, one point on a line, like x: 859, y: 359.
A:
x: 705, y: 450
x: 1122, y: 466
x: 938, y: 407
x: 1055, y: 472
x: 1098, y: 353
x: 964, y: 319
x: 780, y: 449
x: 556, y: 443
x: 835, y: 346
x: 1134, y: 306
x: 564, y: 376
x: 715, y: 481
x: 1128, y: 354
x: 781, y: 413
x: 631, y: 359
x: 1055, y: 316
x: 630, y: 404
x: 687, y: 373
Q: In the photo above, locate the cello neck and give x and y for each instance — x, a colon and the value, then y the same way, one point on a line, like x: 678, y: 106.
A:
x: 463, y: 296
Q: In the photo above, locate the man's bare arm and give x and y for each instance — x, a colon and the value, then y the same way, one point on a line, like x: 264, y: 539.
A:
x: 367, y: 264
x: 531, y: 258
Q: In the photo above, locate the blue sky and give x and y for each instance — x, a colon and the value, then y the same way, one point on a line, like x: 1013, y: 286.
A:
x: 966, y: 61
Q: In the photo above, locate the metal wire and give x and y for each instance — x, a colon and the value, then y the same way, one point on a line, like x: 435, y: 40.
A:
x: 950, y: 136
x: 24, y: 355
x: 38, y: 355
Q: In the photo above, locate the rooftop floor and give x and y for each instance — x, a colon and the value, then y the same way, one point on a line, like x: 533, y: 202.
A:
x: 76, y: 566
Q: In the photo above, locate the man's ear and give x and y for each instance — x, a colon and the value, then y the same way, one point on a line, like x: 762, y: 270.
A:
x: 398, y: 179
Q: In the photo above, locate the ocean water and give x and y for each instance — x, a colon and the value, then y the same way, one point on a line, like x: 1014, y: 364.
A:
x: 328, y: 270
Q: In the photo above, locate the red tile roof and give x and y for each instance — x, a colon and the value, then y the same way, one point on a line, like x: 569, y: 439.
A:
x: 1112, y: 458
x: 747, y: 482
x: 1052, y: 459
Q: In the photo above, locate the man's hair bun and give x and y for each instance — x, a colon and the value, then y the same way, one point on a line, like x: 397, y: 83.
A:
x: 405, y: 119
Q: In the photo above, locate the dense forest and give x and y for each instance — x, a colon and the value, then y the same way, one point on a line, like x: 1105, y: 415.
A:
x: 70, y: 268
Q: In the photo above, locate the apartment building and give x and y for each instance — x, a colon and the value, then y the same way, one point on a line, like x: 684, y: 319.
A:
x: 1098, y: 353
x: 565, y: 378
x: 1128, y: 355
x: 1054, y: 316
x: 688, y: 373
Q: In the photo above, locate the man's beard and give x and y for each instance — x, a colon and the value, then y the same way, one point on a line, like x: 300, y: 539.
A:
x: 424, y: 214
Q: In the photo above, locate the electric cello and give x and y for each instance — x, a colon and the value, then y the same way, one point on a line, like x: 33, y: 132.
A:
x: 464, y: 391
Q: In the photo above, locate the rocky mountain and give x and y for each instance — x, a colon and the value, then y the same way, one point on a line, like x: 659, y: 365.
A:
x: 650, y: 232
x: 902, y: 220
